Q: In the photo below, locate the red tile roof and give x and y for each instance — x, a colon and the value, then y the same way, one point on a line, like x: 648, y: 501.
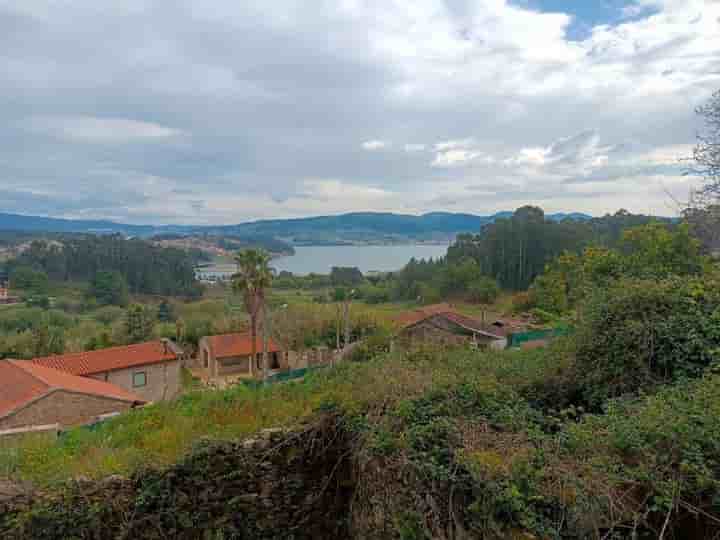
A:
x: 22, y: 382
x: 240, y: 344
x: 475, y: 325
x: 412, y: 317
x: 448, y: 312
x: 114, y: 358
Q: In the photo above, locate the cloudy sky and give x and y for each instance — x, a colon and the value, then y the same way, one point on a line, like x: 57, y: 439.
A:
x: 222, y: 111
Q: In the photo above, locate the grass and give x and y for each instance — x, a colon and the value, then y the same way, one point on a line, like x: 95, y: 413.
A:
x: 160, y: 434
x: 433, y: 420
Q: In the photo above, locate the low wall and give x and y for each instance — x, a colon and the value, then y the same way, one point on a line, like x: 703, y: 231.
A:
x: 295, y: 485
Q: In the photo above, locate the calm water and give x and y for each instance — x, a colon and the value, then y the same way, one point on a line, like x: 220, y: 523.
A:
x: 320, y: 259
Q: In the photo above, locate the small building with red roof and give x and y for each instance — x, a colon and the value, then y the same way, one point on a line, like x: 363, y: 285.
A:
x: 33, y: 395
x: 231, y: 355
x: 150, y: 370
x: 443, y: 324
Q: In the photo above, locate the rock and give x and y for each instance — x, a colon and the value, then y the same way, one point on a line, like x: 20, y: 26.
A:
x: 10, y: 490
x: 272, y: 433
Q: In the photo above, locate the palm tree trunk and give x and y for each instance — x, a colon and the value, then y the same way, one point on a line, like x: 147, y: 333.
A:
x: 266, y: 337
x: 253, y: 345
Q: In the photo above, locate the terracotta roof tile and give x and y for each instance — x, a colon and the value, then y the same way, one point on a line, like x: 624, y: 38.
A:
x: 22, y: 381
x: 411, y: 317
x: 240, y: 344
x: 448, y: 312
x: 114, y: 358
x: 474, y: 324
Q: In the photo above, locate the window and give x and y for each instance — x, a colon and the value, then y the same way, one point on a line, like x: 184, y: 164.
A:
x: 139, y: 379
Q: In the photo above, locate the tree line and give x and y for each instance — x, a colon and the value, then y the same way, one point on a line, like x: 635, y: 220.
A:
x: 144, y: 268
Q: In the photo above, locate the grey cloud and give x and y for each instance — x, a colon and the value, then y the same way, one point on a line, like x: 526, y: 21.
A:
x: 268, y: 96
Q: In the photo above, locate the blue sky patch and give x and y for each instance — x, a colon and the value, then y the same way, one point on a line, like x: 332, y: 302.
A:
x: 589, y: 13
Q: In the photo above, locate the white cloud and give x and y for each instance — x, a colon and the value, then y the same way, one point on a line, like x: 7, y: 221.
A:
x: 374, y: 145
x: 101, y: 130
x: 455, y: 144
x: 455, y: 158
x: 502, y: 91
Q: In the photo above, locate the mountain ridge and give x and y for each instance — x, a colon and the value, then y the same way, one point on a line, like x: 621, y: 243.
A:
x: 342, y: 228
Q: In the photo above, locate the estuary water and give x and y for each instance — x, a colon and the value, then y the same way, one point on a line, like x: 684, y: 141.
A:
x: 320, y: 259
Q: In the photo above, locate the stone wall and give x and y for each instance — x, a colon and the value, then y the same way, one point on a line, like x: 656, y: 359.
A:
x: 64, y: 408
x: 284, y: 485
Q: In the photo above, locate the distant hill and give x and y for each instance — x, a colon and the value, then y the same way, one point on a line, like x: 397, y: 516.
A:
x: 360, y: 227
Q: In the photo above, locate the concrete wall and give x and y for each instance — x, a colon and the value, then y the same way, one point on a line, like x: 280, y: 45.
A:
x: 204, y: 356
x: 162, y: 380
x: 64, y: 408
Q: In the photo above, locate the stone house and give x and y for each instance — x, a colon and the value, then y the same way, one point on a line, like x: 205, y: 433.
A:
x: 230, y: 355
x: 441, y: 324
x: 32, y: 395
x: 150, y: 370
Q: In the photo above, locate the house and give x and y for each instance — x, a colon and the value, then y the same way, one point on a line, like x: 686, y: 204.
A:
x: 231, y: 355
x: 441, y: 323
x: 150, y: 370
x: 34, y: 395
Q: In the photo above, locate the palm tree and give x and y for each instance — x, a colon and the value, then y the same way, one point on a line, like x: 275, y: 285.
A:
x: 252, y: 278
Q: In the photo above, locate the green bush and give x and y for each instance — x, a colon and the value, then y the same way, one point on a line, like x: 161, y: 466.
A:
x: 483, y: 290
x: 639, y: 333
x: 372, y: 346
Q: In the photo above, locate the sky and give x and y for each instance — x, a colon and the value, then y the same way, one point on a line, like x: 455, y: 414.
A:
x: 196, y: 112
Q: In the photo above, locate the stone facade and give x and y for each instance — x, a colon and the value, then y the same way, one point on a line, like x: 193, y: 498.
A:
x: 64, y: 408
x: 441, y: 332
x: 162, y: 380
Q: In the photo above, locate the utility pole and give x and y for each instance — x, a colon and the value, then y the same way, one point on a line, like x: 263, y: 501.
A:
x: 346, y: 316
x: 267, y: 333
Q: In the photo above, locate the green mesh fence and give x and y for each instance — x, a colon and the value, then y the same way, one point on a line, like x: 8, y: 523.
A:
x: 280, y: 377
x: 516, y: 340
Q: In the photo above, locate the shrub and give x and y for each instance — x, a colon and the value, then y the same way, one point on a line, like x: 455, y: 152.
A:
x: 372, y: 346
x: 638, y: 333
x: 484, y: 290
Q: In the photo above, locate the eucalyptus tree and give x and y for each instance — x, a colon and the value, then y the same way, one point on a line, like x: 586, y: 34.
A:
x: 706, y: 154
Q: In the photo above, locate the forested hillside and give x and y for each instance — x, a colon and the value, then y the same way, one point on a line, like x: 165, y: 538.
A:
x: 146, y: 268
x: 359, y: 227
x: 507, y: 254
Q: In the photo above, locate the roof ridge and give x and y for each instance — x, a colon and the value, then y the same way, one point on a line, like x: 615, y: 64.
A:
x: 104, y: 349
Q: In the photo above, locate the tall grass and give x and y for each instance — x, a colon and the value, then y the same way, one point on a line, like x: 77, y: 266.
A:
x: 160, y: 434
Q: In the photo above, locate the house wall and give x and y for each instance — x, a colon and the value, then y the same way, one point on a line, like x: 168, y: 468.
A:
x: 441, y: 332
x: 162, y: 380
x: 64, y: 408
x: 498, y: 344
x: 296, y: 360
x: 239, y: 365
x: 204, y: 355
